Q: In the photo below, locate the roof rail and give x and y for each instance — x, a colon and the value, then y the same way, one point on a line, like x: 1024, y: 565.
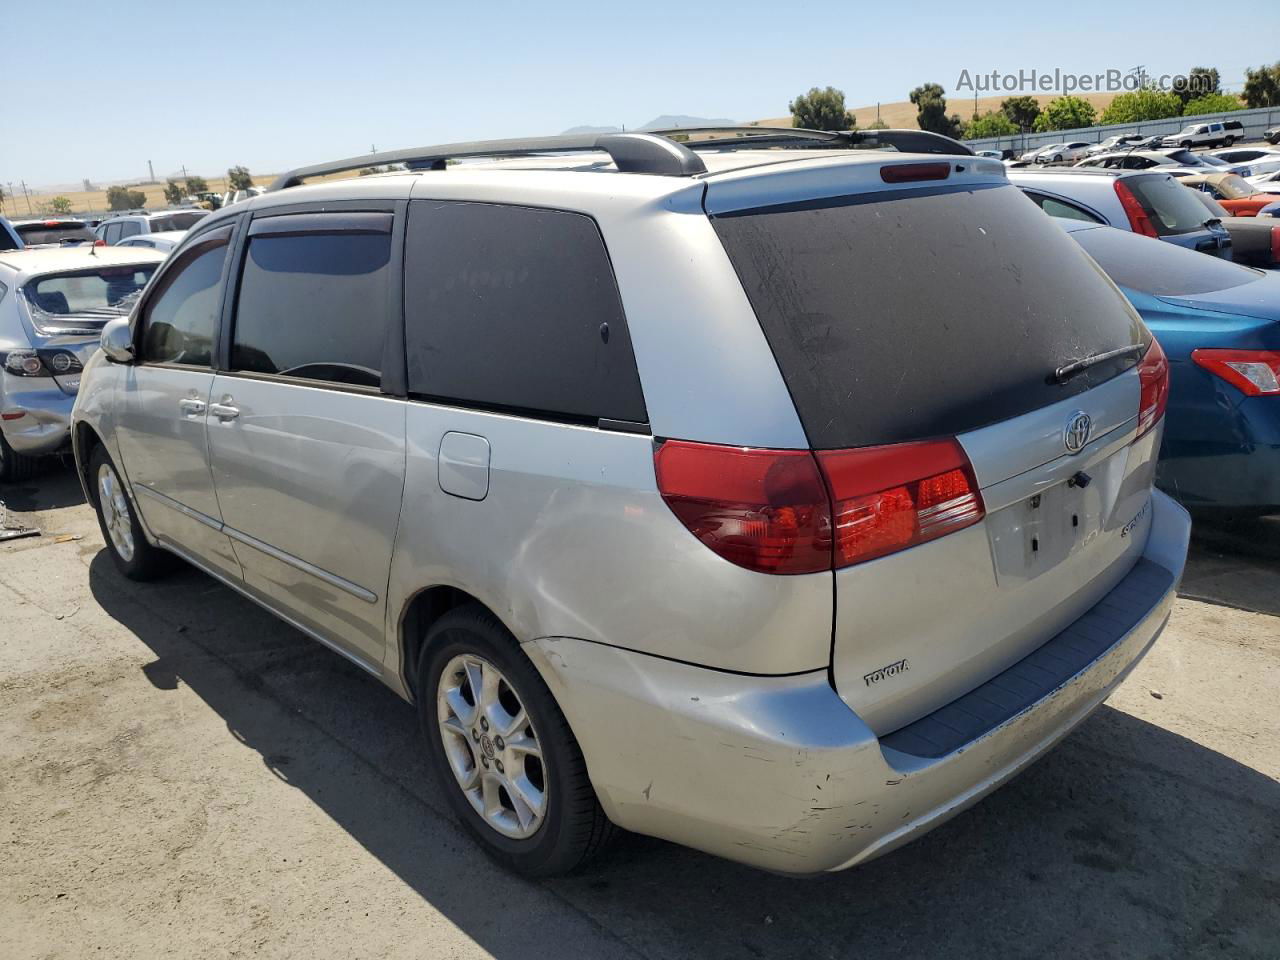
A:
x: 750, y: 137
x: 653, y: 151
x: 631, y: 153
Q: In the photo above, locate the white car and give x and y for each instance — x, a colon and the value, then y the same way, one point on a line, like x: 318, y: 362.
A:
x: 1063, y: 152
x: 236, y: 196
x: 1149, y: 160
x: 116, y: 229
x: 163, y: 241
x: 1114, y: 143
x: 1205, y: 135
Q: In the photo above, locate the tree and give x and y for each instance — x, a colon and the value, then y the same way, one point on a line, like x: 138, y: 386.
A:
x: 1200, y: 82
x: 1262, y: 86
x: 58, y: 204
x: 197, y: 185
x: 122, y: 198
x: 238, y: 178
x: 1145, y: 104
x: 931, y: 110
x: 172, y: 193
x: 3, y: 197
x: 821, y: 110
x: 990, y: 124
x: 1212, y: 103
x: 1021, y: 111
x: 1066, y: 113
x: 877, y: 125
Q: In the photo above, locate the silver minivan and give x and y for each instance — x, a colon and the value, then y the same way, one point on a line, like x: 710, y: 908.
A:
x: 777, y: 498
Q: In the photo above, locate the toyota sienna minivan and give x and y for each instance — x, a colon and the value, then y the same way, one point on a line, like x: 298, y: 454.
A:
x: 779, y: 497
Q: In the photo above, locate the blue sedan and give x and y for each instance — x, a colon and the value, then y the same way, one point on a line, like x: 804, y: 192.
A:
x: 1219, y: 325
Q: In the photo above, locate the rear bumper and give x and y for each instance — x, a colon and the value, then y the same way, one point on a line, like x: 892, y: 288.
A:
x: 43, y: 415
x: 779, y: 773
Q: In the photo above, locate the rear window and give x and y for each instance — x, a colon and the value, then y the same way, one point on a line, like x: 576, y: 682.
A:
x: 1160, y: 269
x: 181, y: 221
x: 37, y: 233
x: 923, y: 313
x: 161, y: 224
x: 1170, y: 205
x: 86, y: 295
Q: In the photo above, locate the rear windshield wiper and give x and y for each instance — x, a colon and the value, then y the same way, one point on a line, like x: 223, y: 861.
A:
x: 1069, y: 370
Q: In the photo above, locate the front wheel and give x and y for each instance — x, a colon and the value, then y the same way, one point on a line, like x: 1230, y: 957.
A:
x: 1186, y: 144
x: 129, y: 550
x: 502, y: 751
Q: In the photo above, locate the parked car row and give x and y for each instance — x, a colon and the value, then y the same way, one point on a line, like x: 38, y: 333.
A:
x: 658, y: 450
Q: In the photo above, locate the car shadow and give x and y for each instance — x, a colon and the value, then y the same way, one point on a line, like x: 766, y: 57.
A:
x: 1235, y: 564
x: 54, y: 486
x: 1126, y: 841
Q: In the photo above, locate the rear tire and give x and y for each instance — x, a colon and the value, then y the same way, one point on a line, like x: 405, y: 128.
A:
x: 538, y: 814
x: 126, y: 543
x: 16, y: 467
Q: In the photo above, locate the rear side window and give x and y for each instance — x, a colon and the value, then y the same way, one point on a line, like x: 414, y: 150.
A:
x: 314, y: 304
x: 1170, y: 205
x: 130, y: 228
x: 1061, y: 208
x: 923, y: 313
x: 516, y: 308
x: 182, y: 315
x: 181, y: 221
x: 1160, y: 269
x: 160, y: 224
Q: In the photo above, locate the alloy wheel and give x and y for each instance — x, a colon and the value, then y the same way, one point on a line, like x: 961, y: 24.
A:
x: 115, y: 512
x: 491, y: 746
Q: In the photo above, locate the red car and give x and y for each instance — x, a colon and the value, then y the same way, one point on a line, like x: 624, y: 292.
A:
x: 1237, y: 196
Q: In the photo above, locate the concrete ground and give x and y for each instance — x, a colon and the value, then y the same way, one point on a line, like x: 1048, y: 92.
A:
x: 181, y: 775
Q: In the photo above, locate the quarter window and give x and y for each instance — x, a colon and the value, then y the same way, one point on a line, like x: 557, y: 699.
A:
x: 314, y: 305
x: 182, y: 317
x: 516, y: 308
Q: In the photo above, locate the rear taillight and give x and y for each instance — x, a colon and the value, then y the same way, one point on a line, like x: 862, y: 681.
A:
x: 1255, y: 373
x: 1275, y: 246
x: 99, y: 242
x: 1139, y: 220
x: 772, y: 510
x: 893, y: 497
x: 766, y: 510
x: 1153, y: 374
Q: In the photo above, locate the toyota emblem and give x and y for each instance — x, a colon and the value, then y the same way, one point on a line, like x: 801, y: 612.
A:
x: 1076, y: 433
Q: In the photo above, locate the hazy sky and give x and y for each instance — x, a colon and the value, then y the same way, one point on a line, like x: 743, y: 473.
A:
x: 273, y: 84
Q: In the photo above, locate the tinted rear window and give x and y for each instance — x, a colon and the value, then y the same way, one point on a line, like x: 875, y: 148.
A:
x: 516, y: 308
x: 1160, y: 269
x: 923, y: 313
x: 181, y: 221
x: 1170, y: 205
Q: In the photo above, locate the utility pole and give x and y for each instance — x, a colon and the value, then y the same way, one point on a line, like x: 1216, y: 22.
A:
x: 184, y: 171
x: 26, y: 193
x: 151, y: 170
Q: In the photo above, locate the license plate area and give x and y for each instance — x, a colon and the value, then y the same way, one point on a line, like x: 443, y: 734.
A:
x: 1034, y: 535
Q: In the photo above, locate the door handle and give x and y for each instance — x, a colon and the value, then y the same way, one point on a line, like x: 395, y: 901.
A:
x: 191, y: 406
x: 224, y: 411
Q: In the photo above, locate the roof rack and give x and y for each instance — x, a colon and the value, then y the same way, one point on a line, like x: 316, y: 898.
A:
x: 655, y: 152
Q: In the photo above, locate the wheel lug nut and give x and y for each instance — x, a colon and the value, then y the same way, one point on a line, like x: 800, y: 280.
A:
x: 498, y: 742
x: 498, y: 764
x: 485, y: 761
x: 475, y: 735
x: 484, y: 724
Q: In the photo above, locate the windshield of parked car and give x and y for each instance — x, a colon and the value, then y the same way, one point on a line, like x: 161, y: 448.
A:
x: 1157, y: 268
x: 52, y: 231
x: 85, y: 297
x: 1186, y: 158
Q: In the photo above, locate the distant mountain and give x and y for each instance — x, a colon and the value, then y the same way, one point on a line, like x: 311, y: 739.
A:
x: 666, y: 121
x: 590, y: 129
x: 684, y: 120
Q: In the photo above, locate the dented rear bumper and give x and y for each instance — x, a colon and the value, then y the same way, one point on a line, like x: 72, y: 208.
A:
x: 779, y: 773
